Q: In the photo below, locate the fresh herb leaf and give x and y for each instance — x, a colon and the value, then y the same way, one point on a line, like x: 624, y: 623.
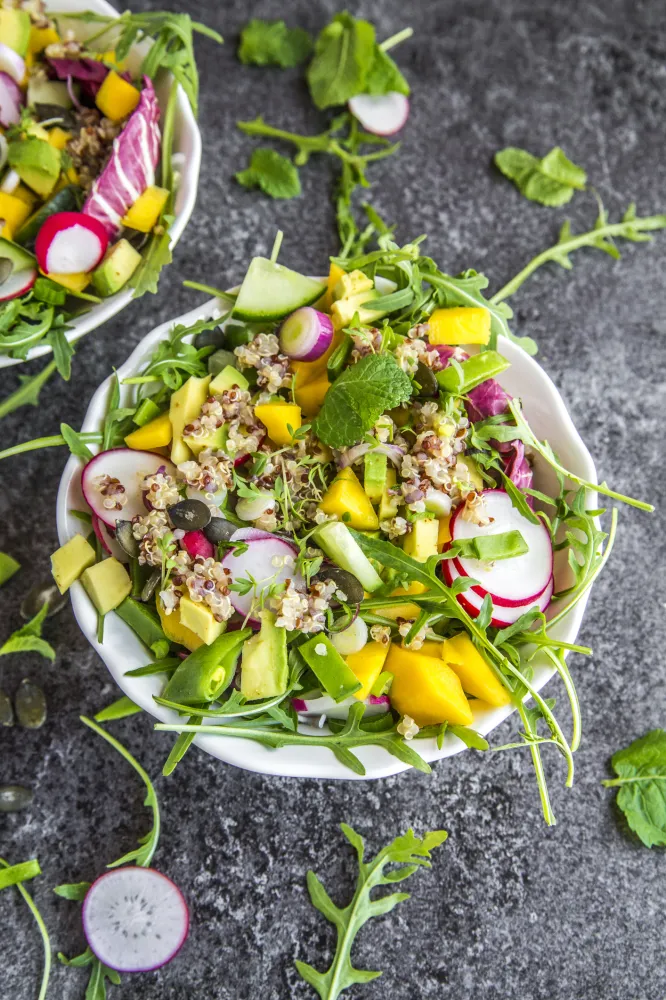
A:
x: 550, y: 181
x: 99, y: 973
x: 28, y: 391
x: 8, y: 567
x: 120, y: 709
x: 14, y: 874
x: 73, y: 890
x: 384, y: 75
x: 409, y: 853
x: 27, y: 639
x: 273, y: 173
x: 359, y: 397
x: 63, y: 351
x: 489, y: 548
x: 46, y: 969
x: 272, y: 43
x: 641, y: 780
x: 344, y: 51
x: 74, y: 442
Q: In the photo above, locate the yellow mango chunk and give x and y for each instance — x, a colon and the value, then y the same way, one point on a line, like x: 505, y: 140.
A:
x: 421, y: 542
x: 73, y: 282
x: 116, y: 98
x: 146, y: 210
x: 406, y: 610
x: 40, y: 38
x: 459, y: 325
x: 277, y: 418
x: 155, y: 434
x: 476, y: 675
x: 444, y: 532
x: 311, y: 396
x: 26, y: 195
x: 426, y: 689
x: 13, y: 210
x: 430, y: 648
x: 6, y: 231
x: 334, y: 274
x: 58, y: 137
x: 345, y: 495
x: 367, y: 664
x: 174, y: 629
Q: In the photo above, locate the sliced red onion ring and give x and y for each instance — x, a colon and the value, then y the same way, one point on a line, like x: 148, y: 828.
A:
x: 11, y: 100
x: 306, y: 334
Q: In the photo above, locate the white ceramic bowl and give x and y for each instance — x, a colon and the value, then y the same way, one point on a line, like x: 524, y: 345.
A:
x: 123, y: 651
x: 187, y: 141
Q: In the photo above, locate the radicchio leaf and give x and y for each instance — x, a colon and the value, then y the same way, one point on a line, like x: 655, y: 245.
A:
x: 516, y: 466
x: 487, y: 400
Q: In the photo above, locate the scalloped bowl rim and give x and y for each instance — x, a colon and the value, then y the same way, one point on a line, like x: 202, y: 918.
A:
x: 187, y: 140
x: 122, y: 650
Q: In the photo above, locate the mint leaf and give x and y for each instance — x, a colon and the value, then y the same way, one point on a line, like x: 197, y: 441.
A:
x: 344, y: 53
x: 641, y: 770
x: 273, y: 173
x: 550, y: 181
x: 384, y: 76
x: 358, y: 397
x: 272, y: 43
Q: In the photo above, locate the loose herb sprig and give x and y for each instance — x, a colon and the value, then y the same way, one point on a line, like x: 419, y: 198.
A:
x: 28, y: 638
x: 641, y: 780
x: 17, y: 875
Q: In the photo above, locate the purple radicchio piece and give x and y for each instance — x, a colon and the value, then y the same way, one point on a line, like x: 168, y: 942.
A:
x: 486, y: 400
x: 516, y: 466
x: 131, y: 167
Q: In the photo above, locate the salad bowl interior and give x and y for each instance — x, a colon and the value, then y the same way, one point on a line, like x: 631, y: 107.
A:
x: 186, y: 147
x: 122, y: 651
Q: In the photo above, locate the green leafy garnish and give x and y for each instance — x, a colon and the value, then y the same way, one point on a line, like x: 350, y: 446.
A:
x: 489, y: 548
x: 550, y: 180
x: 120, y: 709
x: 27, y: 639
x: 8, y: 567
x: 641, y: 770
x: 272, y: 43
x: 410, y: 853
x: 359, y: 397
x: 16, y: 875
x: 273, y: 173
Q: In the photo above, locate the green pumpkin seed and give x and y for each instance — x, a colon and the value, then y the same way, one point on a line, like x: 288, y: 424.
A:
x: 30, y: 705
x: 151, y: 585
x: 219, y: 530
x: 13, y: 798
x: 189, y: 515
x: 126, y: 540
x: 6, y: 710
x: 46, y: 591
x: 429, y: 386
x: 345, y: 583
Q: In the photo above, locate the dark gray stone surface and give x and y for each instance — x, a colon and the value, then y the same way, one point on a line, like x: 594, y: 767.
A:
x: 511, y: 909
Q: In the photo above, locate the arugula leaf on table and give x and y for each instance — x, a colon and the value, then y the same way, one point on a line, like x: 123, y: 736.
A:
x: 28, y: 391
x: 99, y: 972
x: 63, y: 351
x: 15, y: 875
x: 410, y: 853
x: 384, y: 75
x: 27, y: 639
x: 344, y: 51
x: 272, y: 43
x: 641, y: 780
x: 358, y: 397
x: 273, y: 173
x: 551, y: 180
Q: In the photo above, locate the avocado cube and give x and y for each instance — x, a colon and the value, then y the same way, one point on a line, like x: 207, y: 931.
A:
x: 107, y: 584
x: 227, y: 379
x: 70, y: 560
x: 353, y: 283
x: 421, y: 542
x: 215, y: 441
x: 185, y: 407
x: 37, y: 163
x: 200, y: 620
x: 118, y: 266
x: 264, y: 668
x: 374, y: 475
x: 15, y: 29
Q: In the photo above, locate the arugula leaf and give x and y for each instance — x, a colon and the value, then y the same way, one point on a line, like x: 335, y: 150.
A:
x: 550, y: 181
x: 272, y: 43
x: 641, y: 770
x: 273, y: 173
x: 384, y: 75
x: 63, y: 351
x: 344, y: 51
x: 27, y: 639
x: 410, y: 853
x: 358, y: 397
x: 73, y: 890
x: 120, y: 709
x: 99, y: 973
x: 46, y: 944
x: 74, y: 441
x: 28, y: 391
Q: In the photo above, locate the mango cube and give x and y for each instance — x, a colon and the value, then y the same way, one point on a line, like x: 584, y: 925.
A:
x: 278, y: 418
x: 406, y: 610
x: 310, y: 396
x: 459, y: 325
x: 72, y: 282
x: 345, y: 495
x: 116, y: 98
x: 426, y: 689
x: 58, y: 137
x: 367, y: 664
x: 444, y: 532
x: 146, y: 210
x: 13, y: 210
x: 185, y: 406
x: 175, y: 631
x: 155, y: 434
x: 476, y: 675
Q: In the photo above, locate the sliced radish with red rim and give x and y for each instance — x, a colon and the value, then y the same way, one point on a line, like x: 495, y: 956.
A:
x: 70, y: 243
x: 502, y: 616
x: 264, y: 562
x: 18, y: 283
x: 135, y: 919
x: 129, y: 467
x: 382, y: 114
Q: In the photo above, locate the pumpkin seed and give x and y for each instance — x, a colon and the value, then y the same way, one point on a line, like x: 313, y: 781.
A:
x: 46, y: 591
x: 151, y: 585
x: 30, y: 705
x: 427, y: 380
x: 219, y: 530
x: 344, y: 582
x: 126, y: 540
x: 14, y: 798
x: 6, y: 710
x: 189, y: 515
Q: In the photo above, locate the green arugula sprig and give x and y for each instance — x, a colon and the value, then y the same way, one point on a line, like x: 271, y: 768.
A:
x: 641, y: 780
x: 17, y: 875
x: 28, y: 638
x: 409, y: 853
x: 551, y: 180
x: 272, y: 43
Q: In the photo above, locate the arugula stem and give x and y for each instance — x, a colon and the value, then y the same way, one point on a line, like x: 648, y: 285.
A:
x: 28, y: 392
x: 42, y: 930
x: 610, y: 541
x: 560, y: 664
x: 548, y: 814
x: 614, y: 782
x: 217, y: 292
x: 54, y: 441
x: 560, y: 250
x: 400, y: 36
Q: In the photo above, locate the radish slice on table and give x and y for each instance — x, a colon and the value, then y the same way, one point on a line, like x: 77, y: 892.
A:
x: 128, y: 467
x: 18, y: 283
x: 70, y: 243
x: 306, y: 334
x: 502, y: 616
x: 264, y: 562
x: 11, y: 63
x: 510, y: 582
x: 11, y: 100
x: 135, y: 919
x: 382, y: 114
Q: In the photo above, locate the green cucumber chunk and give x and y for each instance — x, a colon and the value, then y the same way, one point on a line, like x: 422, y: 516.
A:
x: 271, y: 291
x: 67, y: 200
x: 374, y: 475
x: 336, y: 678
x: 338, y: 543
x: 146, y: 412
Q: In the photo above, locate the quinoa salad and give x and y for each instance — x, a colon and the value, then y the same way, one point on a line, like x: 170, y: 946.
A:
x: 318, y: 513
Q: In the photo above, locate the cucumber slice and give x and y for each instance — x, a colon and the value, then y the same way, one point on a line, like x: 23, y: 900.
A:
x: 67, y: 200
x: 271, y: 291
x: 19, y: 257
x: 339, y: 544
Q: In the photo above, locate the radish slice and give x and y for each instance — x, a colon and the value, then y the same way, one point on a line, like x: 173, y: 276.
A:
x: 262, y: 562
x: 18, y: 283
x: 502, y: 616
x: 11, y: 100
x: 325, y: 705
x: 70, y: 243
x: 135, y: 919
x: 382, y: 114
x: 11, y: 63
x: 306, y: 334
x: 510, y: 582
x: 129, y: 467
x: 249, y: 534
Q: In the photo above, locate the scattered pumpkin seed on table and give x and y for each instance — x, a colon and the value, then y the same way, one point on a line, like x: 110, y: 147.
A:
x: 30, y: 705
x: 13, y: 798
x: 6, y: 710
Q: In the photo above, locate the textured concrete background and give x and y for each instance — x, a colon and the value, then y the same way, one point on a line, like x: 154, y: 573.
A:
x: 511, y: 910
